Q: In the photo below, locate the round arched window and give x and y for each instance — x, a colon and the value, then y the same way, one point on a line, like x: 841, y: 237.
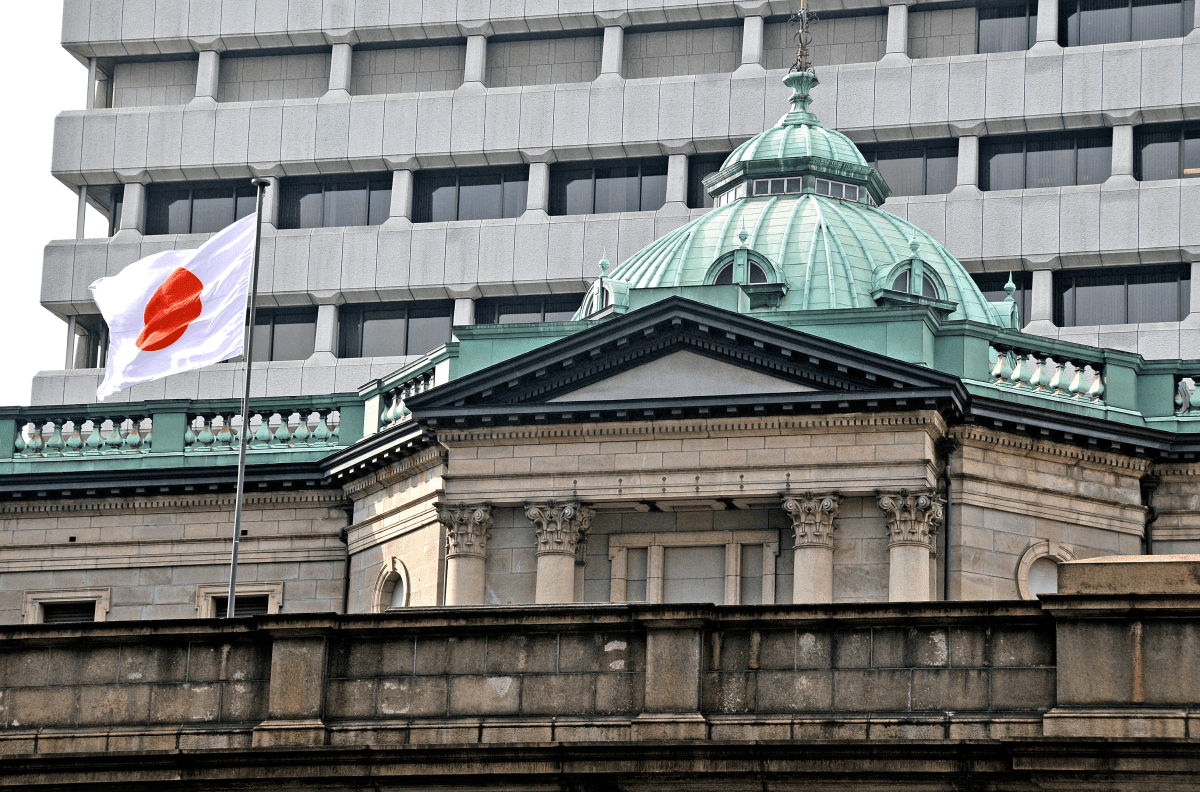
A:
x: 927, y: 287
x: 725, y: 276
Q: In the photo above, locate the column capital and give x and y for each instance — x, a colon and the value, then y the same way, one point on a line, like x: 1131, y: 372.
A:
x: 913, y: 517
x: 561, y: 527
x: 812, y: 517
x: 467, y: 526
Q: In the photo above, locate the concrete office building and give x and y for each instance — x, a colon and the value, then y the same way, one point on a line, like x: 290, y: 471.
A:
x: 638, y: 411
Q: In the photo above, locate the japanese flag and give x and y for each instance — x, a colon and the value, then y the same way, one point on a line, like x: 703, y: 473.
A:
x: 177, y: 310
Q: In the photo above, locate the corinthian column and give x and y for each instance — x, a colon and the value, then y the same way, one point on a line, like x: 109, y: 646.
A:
x: 913, y: 521
x: 467, y: 528
x: 561, y: 531
x: 812, y: 521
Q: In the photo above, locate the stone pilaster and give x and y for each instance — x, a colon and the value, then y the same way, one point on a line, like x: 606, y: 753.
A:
x: 913, y: 521
x: 561, y: 528
x: 467, y: 527
x: 812, y: 524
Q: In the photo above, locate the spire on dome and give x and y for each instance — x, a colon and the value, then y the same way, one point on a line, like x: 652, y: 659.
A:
x: 803, y: 18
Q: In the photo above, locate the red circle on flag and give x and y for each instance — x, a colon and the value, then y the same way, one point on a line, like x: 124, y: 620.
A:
x: 173, y: 306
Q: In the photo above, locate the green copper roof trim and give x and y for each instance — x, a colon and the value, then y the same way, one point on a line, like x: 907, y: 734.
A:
x: 762, y: 216
x: 844, y: 260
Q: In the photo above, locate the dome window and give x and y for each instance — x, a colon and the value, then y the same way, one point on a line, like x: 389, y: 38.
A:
x: 836, y: 189
x: 754, y: 274
x: 730, y: 195
x: 778, y: 186
x: 901, y: 284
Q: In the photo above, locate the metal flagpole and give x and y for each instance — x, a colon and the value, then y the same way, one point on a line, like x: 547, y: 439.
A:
x: 248, y: 355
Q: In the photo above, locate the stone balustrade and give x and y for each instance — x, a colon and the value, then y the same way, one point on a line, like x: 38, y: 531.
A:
x: 317, y: 428
x: 1056, y: 375
x: 83, y: 434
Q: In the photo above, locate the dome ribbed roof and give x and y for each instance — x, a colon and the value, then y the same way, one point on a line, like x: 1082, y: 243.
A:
x: 797, y: 140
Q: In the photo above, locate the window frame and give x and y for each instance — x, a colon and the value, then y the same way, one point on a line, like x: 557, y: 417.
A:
x: 655, y: 544
x: 871, y: 155
x: 273, y: 315
x: 1181, y: 131
x: 1025, y: 140
x: 34, y: 599
x: 393, y: 573
x: 1030, y: 24
x: 1181, y: 271
x: 353, y: 312
x: 557, y: 204
x: 234, y: 185
x: 698, y: 164
x: 485, y: 304
x: 206, y: 594
x: 374, y: 181
x: 505, y: 171
x: 1064, y: 23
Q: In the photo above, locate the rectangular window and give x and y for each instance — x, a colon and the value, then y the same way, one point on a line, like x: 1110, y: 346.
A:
x: 285, y: 334
x: 1166, y: 152
x: 200, y: 208
x: 1084, y: 22
x: 751, y: 579
x: 636, y: 574
x: 916, y: 169
x: 245, y: 605
x: 625, y: 186
x: 527, y: 310
x: 1027, y: 162
x: 111, y: 198
x: 391, y: 329
x: 694, y: 574
x: 992, y: 286
x: 91, y: 341
x: 1007, y: 28
x: 700, y: 167
x: 1122, y: 296
x: 335, y: 201
x: 481, y: 194
x: 65, y: 612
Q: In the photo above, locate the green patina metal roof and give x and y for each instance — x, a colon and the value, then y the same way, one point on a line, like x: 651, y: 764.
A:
x: 829, y: 252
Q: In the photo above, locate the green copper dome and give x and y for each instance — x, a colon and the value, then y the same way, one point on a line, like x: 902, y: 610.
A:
x: 796, y: 223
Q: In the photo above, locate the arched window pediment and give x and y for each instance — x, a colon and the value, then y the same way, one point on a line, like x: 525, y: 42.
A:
x: 743, y: 267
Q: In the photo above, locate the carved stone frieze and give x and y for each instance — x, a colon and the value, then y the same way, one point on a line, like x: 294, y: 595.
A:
x: 467, y: 526
x: 913, y: 517
x: 812, y: 518
x: 561, y: 527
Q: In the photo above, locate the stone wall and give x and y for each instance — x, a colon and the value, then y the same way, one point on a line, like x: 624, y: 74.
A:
x: 548, y: 61
x: 851, y: 39
x: 937, y: 34
x: 257, y: 77
x: 407, y: 69
x: 675, y: 53
x: 1177, y: 501
x: 151, y: 554
x: 154, y: 83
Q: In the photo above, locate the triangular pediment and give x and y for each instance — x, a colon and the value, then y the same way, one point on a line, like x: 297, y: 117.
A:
x: 679, y: 375
x: 684, y: 357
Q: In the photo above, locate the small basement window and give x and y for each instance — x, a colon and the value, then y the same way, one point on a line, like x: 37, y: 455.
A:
x: 64, y: 612
x: 246, y: 605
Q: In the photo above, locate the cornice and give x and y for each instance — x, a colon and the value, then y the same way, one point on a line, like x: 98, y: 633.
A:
x: 981, y: 436
x: 410, y: 466
x: 1166, y: 470
x: 148, y: 503
x: 925, y: 419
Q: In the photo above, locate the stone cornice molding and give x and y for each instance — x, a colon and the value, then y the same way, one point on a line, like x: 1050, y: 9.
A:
x: 980, y: 436
x: 467, y: 527
x: 175, y: 502
x: 561, y: 527
x: 1185, y: 470
x: 812, y: 518
x: 913, y: 517
x: 851, y: 422
x: 402, y: 469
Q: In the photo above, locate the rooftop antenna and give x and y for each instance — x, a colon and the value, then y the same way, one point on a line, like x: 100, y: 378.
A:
x: 803, y: 36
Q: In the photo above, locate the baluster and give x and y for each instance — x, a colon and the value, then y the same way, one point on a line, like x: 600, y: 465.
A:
x: 148, y: 438
x: 336, y: 432
x: 1037, y: 380
x: 19, y: 444
x: 1003, y: 368
x: 35, y: 439
x: 205, y: 438
x: 95, y: 440
x: 224, y: 435
x: 282, y: 436
x: 1020, y: 373
x: 263, y: 435
x: 75, y: 441
x: 1183, y: 398
x: 320, y: 434
x: 1096, y: 392
x: 1077, y: 386
x: 133, y: 440
x: 189, y: 435
x: 114, y: 441
x: 55, y: 445
x: 406, y: 393
x: 301, y: 435
x: 1056, y: 382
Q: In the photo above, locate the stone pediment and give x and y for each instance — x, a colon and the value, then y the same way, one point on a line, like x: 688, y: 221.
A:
x: 684, y: 357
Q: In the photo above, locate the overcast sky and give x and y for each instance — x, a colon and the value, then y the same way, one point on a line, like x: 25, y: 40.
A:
x: 40, y: 80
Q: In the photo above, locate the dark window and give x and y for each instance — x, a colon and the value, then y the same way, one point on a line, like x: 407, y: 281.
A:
x: 335, y: 201
x: 63, y: 612
x: 386, y: 329
x: 1007, y: 28
x: 112, y: 199
x: 1083, y: 22
x: 755, y: 274
x: 197, y: 208
x: 1116, y: 296
x: 921, y: 169
x: 625, y: 186
x: 255, y: 605
x: 285, y: 333
x: 91, y: 341
x: 701, y: 166
x: 901, y: 284
x: 1026, y: 162
x: 482, y: 194
x: 527, y: 310
x: 1167, y: 152
x: 992, y: 286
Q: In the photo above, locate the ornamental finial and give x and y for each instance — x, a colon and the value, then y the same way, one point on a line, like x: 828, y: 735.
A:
x: 803, y: 36
x: 604, y: 263
x: 1009, y: 288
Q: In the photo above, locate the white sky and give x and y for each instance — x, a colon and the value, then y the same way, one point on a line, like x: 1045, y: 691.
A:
x: 40, y: 81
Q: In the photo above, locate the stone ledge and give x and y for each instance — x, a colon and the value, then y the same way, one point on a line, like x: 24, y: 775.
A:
x: 1117, y: 724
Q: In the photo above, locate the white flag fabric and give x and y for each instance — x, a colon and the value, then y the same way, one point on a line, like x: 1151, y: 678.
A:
x: 177, y: 310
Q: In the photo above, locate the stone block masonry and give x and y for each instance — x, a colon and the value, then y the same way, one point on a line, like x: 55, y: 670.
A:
x: 259, y: 77
x: 395, y: 70
x: 573, y: 59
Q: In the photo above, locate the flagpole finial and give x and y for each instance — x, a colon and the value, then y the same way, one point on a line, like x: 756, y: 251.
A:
x: 804, y: 19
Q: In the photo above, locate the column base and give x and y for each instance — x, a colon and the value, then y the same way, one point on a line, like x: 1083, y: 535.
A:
x: 1045, y: 48
x: 894, y: 59
x: 669, y: 726
x: 271, y: 734
x: 609, y: 78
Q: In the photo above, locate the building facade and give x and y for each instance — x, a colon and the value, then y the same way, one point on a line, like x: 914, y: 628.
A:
x: 622, y: 383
